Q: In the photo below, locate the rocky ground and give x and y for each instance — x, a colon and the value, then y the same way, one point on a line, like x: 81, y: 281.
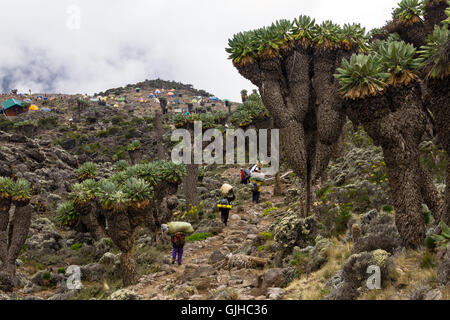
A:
x: 266, y: 252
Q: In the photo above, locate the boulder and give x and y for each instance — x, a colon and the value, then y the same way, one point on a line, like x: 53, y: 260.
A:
x: 125, y: 294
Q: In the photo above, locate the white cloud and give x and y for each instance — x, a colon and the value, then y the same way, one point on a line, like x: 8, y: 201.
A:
x: 126, y: 41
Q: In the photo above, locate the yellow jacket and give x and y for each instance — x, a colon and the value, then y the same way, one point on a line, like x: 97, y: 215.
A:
x: 259, y: 183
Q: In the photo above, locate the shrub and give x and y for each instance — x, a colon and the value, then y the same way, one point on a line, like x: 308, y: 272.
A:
x: 266, y: 235
x: 66, y: 214
x: 61, y: 270
x: 198, y: 236
x: 121, y: 165
x: 267, y: 211
x: 135, y: 145
x: 76, y: 246
x: 88, y: 170
x: 46, y: 275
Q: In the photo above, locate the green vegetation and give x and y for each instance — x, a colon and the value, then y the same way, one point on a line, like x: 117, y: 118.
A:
x: 76, y: 246
x: 280, y: 37
x: 433, y: 56
x: 88, y: 170
x: 409, y: 11
x: 198, y: 237
x: 248, y: 111
x: 66, y: 214
x: 135, y: 145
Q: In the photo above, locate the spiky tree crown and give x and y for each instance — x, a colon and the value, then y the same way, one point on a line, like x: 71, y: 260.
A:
x: 434, y: 55
x: 278, y: 38
x: 134, y: 145
x: 248, y: 111
x: 398, y: 59
x: 121, y: 165
x: 66, y: 214
x: 83, y: 192
x: 409, y: 11
x: 361, y: 76
x: 21, y: 190
x: 88, y: 170
x: 6, y: 187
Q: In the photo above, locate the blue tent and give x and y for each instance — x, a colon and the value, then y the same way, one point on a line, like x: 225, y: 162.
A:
x: 213, y: 98
x: 46, y: 109
x: 151, y: 96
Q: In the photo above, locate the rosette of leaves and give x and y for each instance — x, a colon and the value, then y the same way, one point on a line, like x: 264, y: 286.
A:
x: 268, y: 42
x: 434, y: 55
x: 303, y: 30
x: 179, y: 120
x: 208, y: 121
x: 83, y: 192
x: 134, y: 145
x: 398, y: 59
x: 361, y: 76
x: 88, y: 170
x: 327, y: 35
x: 441, y: 240
x: 138, y: 192
x: 119, y: 177
x: 66, y: 214
x: 109, y: 195
x: 171, y: 172
x: 121, y: 165
x: 6, y: 187
x: 242, y: 48
x: 409, y: 11
x: 353, y: 35
x: 21, y: 191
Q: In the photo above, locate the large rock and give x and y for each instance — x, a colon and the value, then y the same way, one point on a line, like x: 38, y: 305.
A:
x: 355, y: 273
x: 125, y: 294
x: 319, y: 254
x: 379, y: 232
x: 272, y: 278
x: 443, y: 267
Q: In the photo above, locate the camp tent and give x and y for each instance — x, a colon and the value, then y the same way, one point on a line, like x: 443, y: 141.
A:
x: 28, y: 100
x: 138, y: 89
x: 213, y: 98
x: 13, y: 107
x: 171, y: 94
x: 46, y: 109
x: 33, y: 108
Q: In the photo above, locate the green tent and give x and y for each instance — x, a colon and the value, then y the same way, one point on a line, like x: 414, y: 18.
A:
x: 11, y: 103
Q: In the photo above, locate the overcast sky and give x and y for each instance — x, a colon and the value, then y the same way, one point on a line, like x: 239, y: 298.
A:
x: 117, y: 42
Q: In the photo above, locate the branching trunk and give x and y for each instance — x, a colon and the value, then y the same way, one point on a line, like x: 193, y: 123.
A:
x: 277, y: 190
x: 21, y: 226
x: 159, y: 135
x: 396, y: 121
x: 190, y: 184
x: 4, y: 221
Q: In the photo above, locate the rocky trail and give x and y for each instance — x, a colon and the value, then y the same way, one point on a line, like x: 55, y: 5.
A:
x: 202, y: 273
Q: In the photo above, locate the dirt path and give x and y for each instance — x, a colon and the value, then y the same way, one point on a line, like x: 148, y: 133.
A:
x: 196, y: 277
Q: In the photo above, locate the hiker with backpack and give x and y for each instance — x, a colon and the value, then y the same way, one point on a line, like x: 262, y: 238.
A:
x: 177, y: 230
x: 224, y: 204
x: 178, y: 239
x: 256, y: 180
x: 245, y: 176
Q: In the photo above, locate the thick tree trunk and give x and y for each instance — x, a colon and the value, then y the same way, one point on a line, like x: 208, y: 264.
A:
x: 128, y: 268
x: 135, y: 156
x: 4, y: 221
x: 277, y: 190
x: 396, y: 121
x: 190, y: 185
x: 21, y: 225
x: 430, y: 194
x: 159, y: 135
x: 434, y: 15
x: 446, y: 215
x: 436, y: 100
x: 407, y: 199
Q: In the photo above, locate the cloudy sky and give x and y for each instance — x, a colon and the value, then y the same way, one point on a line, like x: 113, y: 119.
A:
x: 85, y: 46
